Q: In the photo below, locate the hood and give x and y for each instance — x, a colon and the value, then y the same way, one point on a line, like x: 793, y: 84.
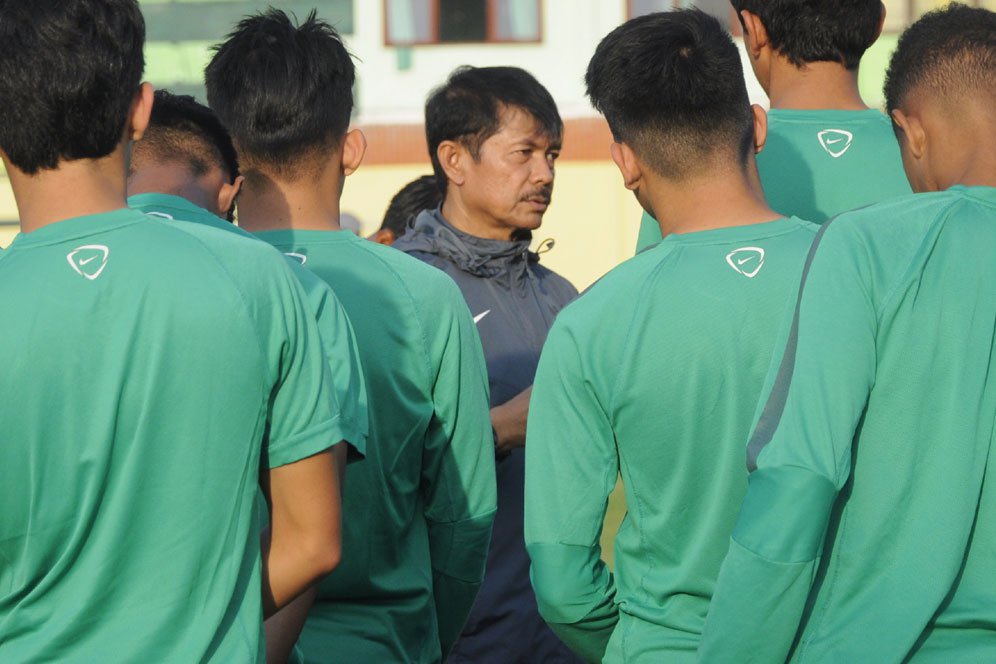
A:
x: 503, y: 260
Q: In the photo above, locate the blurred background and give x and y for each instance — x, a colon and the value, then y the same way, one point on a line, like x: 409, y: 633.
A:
x: 404, y: 48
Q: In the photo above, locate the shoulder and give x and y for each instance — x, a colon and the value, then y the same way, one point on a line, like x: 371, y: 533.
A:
x: 562, y: 288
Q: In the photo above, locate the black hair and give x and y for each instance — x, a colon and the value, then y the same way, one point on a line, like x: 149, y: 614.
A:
x: 950, y: 51
x: 284, y: 92
x: 671, y: 86
x: 69, y: 71
x: 817, y: 30
x: 184, y: 130
x: 468, y: 107
x: 422, y: 193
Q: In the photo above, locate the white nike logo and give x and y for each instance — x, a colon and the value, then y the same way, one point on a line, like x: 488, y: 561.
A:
x: 92, y: 258
x: 835, y: 141
x: 749, y: 253
x: 744, y: 260
x: 478, y: 317
x: 831, y: 140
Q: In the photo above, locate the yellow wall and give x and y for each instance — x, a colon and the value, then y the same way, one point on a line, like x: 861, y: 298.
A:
x: 593, y: 219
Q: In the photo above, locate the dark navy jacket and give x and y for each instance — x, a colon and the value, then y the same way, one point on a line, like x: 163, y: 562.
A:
x: 514, y: 301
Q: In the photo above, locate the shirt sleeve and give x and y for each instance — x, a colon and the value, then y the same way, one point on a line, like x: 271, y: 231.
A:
x: 650, y: 233
x: 343, y: 359
x: 303, y: 419
x: 800, y: 457
x: 571, y: 468
x: 458, y: 468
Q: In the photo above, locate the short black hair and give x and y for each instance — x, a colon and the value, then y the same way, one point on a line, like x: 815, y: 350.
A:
x: 468, y: 107
x: 284, y: 91
x: 184, y: 130
x: 422, y: 193
x: 671, y: 86
x: 949, y: 51
x: 817, y: 30
x: 69, y: 70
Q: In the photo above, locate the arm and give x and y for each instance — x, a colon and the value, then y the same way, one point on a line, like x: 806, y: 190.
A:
x: 302, y: 544
x: 509, y: 422
x: 801, y: 448
x: 571, y: 467
x: 284, y: 627
x: 458, y: 471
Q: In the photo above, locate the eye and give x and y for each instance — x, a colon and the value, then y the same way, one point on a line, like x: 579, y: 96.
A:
x: 553, y: 155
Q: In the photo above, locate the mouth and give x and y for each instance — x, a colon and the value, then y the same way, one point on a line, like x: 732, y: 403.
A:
x: 540, y: 203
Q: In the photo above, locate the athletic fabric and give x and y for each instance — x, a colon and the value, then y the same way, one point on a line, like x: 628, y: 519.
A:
x: 817, y: 164
x: 419, y: 509
x: 514, y: 300
x: 337, y: 332
x: 868, y: 532
x: 654, y: 374
x: 134, y: 436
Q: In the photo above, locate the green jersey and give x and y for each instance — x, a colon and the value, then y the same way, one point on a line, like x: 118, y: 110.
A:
x: 338, y: 339
x: 868, y: 533
x: 817, y: 164
x: 144, y: 364
x: 654, y: 373
x: 420, y: 507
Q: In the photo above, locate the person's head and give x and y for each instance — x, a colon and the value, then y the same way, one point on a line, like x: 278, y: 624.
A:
x: 284, y: 91
x: 422, y: 193
x: 671, y: 88
x: 805, y: 31
x: 940, y: 90
x: 187, y: 152
x: 70, y: 81
x: 493, y: 135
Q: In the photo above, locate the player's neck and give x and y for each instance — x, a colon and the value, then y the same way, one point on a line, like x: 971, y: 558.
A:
x: 168, y: 179
x: 270, y: 204
x: 76, y: 188
x: 709, y: 203
x: 817, y: 86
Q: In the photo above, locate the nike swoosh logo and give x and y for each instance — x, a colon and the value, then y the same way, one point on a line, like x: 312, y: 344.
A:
x: 744, y: 260
x: 92, y: 258
x: 834, y: 141
x: 478, y: 317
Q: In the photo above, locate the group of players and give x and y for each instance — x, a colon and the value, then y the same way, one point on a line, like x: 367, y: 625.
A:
x: 202, y: 433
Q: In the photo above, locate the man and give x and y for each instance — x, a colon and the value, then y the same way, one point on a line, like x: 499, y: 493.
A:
x: 826, y: 152
x: 185, y: 168
x: 151, y: 380
x: 424, y: 498
x: 654, y: 373
x: 494, y: 134
x: 868, y: 530
x: 422, y: 193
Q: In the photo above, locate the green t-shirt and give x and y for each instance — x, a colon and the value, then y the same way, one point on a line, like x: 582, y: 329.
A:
x: 868, y: 533
x: 337, y: 332
x: 418, y: 511
x: 817, y: 164
x: 654, y: 373
x: 142, y: 364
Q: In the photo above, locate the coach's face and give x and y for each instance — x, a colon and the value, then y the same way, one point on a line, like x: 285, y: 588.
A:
x: 510, y: 184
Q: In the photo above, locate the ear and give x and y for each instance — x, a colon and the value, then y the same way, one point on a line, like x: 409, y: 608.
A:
x: 760, y: 127
x: 755, y: 34
x: 354, y: 146
x: 453, y: 157
x: 628, y: 165
x: 881, y: 24
x: 384, y: 236
x: 138, y: 114
x: 914, y: 138
x: 228, y: 193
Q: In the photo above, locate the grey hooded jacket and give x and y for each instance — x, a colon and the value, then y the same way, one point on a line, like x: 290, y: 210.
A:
x: 514, y: 301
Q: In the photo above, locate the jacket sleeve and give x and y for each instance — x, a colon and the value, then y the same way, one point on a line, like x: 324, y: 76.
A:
x: 571, y: 467
x: 800, y: 457
x: 458, y: 468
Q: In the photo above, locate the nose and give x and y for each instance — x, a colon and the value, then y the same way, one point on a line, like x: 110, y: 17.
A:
x: 543, y: 170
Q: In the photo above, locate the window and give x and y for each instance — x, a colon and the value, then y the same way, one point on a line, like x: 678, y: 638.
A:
x: 409, y: 22
x: 721, y: 9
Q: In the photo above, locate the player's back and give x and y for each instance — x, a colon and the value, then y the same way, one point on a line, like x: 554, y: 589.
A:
x: 923, y: 491
x: 684, y: 333
x: 378, y: 605
x: 138, y: 368
x: 816, y: 164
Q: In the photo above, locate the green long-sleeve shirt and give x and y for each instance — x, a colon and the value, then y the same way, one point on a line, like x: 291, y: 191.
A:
x: 417, y: 512
x: 653, y: 373
x: 868, y: 533
x: 818, y: 163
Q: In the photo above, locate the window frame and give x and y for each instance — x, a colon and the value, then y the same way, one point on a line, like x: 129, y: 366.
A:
x: 490, y: 28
